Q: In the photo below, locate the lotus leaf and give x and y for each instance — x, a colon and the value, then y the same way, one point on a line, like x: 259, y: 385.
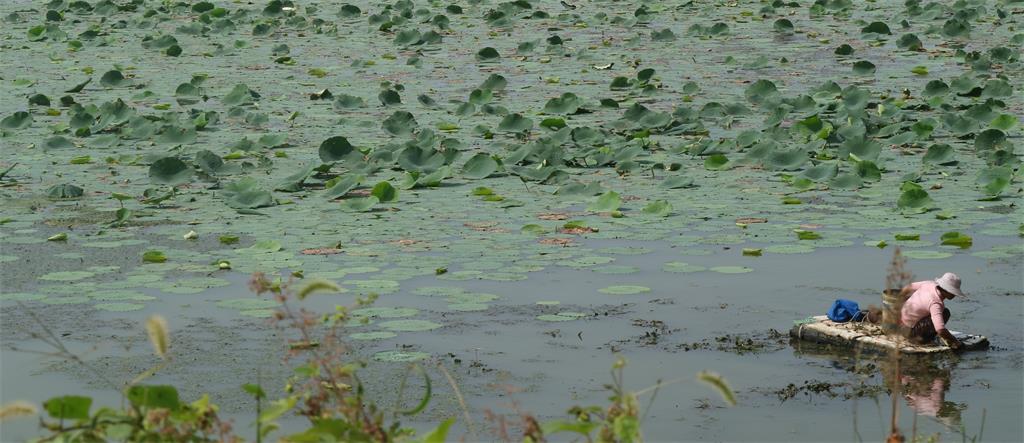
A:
x: 64, y: 191
x: 17, y: 120
x: 624, y: 290
x: 607, y: 202
x: 914, y: 200
x: 246, y: 194
x: 994, y: 180
x: 515, y: 123
x: 409, y: 325
x: 359, y: 204
x: 170, y: 171
x: 400, y: 356
x: 400, y: 123
x: 113, y: 79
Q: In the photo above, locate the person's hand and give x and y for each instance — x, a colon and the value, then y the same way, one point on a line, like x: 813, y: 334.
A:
x: 950, y: 340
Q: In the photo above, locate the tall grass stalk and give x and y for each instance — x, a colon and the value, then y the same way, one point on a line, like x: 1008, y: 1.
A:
x: 896, y: 278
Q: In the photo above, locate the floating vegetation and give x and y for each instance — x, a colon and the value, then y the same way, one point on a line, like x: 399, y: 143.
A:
x: 409, y: 325
x: 562, y: 316
x: 67, y: 275
x: 926, y: 255
x: 624, y: 290
x: 615, y: 269
x: 683, y: 267
x: 468, y: 307
x: 400, y: 356
x: 384, y: 312
x: 245, y: 304
x: 119, y: 307
x: 376, y: 335
x: 166, y: 150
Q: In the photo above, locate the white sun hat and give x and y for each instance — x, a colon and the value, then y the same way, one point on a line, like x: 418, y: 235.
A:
x: 951, y: 283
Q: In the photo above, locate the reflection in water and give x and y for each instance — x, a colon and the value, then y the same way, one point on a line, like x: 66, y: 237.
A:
x: 924, y: 381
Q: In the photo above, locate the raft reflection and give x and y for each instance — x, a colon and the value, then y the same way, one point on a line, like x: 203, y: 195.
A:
x: 924, y: 380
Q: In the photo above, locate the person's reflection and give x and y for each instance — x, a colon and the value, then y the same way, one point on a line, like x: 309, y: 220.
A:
x: 924, y: 385
x: 924, y: 381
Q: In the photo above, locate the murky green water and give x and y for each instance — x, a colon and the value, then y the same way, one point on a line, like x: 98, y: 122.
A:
x: 521, y: 256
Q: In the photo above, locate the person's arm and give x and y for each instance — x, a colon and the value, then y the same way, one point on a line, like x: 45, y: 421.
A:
x: 939, y: 323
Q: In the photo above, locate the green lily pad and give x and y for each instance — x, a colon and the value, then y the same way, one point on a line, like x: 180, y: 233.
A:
x: 120, y: 295
x: 17, y: 120
x: 915, y: 200
x: 468, y: 307
x: 154, y: 257
x: 438, y: 291
x: 624, y: 290
x: 359, y: 204
x: 374, y: 335
x: 625, y: 250
x: 926, y: 255
x: 479, y: 166
x: 716, y: 162
x: 66, y: 300
x: 682, y: 267
x: 113, y: 79
x: 863, y: 67
x: 400, y: 356
x: 64, y: 191
x: 67, y: 275
x: 384, y: 312
x: 472, y: 297
x: 567, y: 103
x: 515, y: 123
x: 958, y: 239
x: 400, y: 123
x: 119, y: 307
x: 487, y: 54
x: 995, y: 180
x: 20, y: 296
x: 244, y: 304
x: 341, y: 186
x: 789, y: 249
x: 939, y: 154
x: 170, y: 171
x: 616, y: 269
x: 334, y: 149
x: 384, y: 192
x: 379, y: 286
x: 409, y: 325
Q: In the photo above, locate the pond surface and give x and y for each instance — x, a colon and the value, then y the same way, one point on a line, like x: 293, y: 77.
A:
x: 525, y: 218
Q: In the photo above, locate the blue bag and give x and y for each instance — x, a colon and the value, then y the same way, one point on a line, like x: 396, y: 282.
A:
x: 844, y: 310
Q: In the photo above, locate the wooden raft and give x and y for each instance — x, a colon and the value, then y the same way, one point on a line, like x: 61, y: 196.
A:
x: 869, y: 337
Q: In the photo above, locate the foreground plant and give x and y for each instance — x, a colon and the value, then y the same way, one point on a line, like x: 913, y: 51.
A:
x: 325, y: 388
x: 621, y: 421
x: 153, y: 413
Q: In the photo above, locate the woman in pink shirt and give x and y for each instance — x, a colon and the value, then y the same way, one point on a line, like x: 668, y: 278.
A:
x: 924, y: 313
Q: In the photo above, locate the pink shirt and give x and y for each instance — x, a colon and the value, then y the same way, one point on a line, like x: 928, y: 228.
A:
x: 924, y: 301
